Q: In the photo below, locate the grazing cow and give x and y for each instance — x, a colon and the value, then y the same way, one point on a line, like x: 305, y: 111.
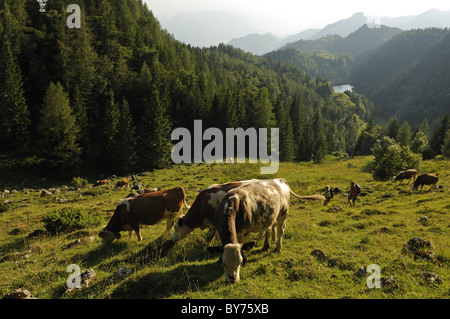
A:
x: 425, y: 179
x: 151, y: 190
x: 408, y: 174
x: 123, y: 182
x: 101, y: 182
x: 201, y: 213
x: 253, y: 207
x: 147, y: 209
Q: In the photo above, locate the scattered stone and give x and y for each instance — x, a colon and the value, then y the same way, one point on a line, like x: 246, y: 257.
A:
x: 389, y: 195
x: 320, y: 255
x: 388, y: 284
x: 423, y: 220
x: 424, y: 254
x: 75, y: 243
x: 420, y: 248
x: 85, y: 279
x: 45, y: 193
x: 361, y: 272
x: 123, y: 272
x: 335, y: 209
x: 19, y: 294
x: 430, y: 277
x: 417, y: 243
x: 24, y: 205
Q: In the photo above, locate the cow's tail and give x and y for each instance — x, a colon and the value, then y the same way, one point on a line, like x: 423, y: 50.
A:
x: 317, y: 198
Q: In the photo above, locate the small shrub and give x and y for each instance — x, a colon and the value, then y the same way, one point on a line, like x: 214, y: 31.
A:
x: 391, y: 158
x: 69, y: 219
x: 79, y: 182
x: 94, y: 192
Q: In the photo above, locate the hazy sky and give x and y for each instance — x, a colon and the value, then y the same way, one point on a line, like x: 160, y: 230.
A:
x: 292, y: 16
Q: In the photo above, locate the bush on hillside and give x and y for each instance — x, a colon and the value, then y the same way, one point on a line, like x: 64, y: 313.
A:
x: 391, y: 158
x: 70, y: 219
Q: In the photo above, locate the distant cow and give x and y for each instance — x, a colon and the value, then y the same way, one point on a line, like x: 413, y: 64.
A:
x: 250, y: 208
x: 123, y: 182
x: 151, y: 190
x: 147, y: 209
x: 408, y: 174
x: 101, y: 182
x: 201, y: 213
x: 425, y: 179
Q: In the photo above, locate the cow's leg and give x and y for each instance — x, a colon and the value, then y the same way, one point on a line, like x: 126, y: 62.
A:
x: 170, y: 222
x: 281, y: 225
x: 137, y: 231
x: 267, y: 240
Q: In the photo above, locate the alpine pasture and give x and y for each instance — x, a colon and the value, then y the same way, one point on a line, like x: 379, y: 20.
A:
x: 325, y: 249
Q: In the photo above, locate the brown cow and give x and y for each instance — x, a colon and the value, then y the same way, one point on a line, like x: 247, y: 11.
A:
x: 147, y: 209
x: 425, y: 179
x: 408, y: 174
x: 101, y: 182
x: 201, y: 213
x: 123, y: 182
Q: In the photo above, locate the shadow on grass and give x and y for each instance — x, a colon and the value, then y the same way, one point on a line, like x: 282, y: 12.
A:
x: 163, y: 284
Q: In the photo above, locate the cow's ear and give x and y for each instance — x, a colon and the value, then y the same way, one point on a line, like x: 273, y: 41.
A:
x: 248, y: 246
x: 180, y: 221
x: 101, y: 234
x: 215, y: 249
x: 118, y: 236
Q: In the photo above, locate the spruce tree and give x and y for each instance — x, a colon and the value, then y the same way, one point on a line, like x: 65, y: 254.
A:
x: 14, y: 114
x: 437, y: 139
x: 404, y: 134
x: 319, y: 140
x: 58, y: 131
x: 155, y: 134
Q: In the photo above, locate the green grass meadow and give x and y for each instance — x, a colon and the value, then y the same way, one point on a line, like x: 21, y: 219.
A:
x: 385, y: 218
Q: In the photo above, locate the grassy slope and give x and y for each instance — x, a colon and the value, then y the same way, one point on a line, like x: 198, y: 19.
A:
x: 350, y: 239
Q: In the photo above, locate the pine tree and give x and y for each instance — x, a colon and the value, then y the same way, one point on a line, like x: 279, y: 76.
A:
x: 392, y: 127
x: 437, y: 139
x: 404, y: 134
x: 58, y: 131
x: 155, y: 134
x: 125, y: 141
x: 319, y: 140
x: 286, y: 134
x: 446, y: 145
x: 14, y: 114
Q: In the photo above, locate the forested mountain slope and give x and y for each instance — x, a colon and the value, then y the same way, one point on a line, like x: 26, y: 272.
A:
x: 105, y: 97
x: 408, y: 76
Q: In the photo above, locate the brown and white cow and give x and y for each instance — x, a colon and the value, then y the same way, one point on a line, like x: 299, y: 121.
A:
x: 101, y: 182
x: 123, y: 182
x: 201, y: 213
x: 151, y: 190
x: 408, y: 174
x: 250, y: 208
x: 147, y: 209
x: 425, y: 179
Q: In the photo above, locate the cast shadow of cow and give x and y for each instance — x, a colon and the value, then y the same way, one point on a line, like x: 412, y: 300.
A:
x: 180, y: 280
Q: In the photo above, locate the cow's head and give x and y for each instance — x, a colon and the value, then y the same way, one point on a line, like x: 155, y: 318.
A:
x: 107, y: 236
x: 232, y: 257
x: 181, y: 230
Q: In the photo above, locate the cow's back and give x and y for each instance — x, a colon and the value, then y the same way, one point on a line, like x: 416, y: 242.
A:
x: 256, y: 206
x: 150, y: 208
